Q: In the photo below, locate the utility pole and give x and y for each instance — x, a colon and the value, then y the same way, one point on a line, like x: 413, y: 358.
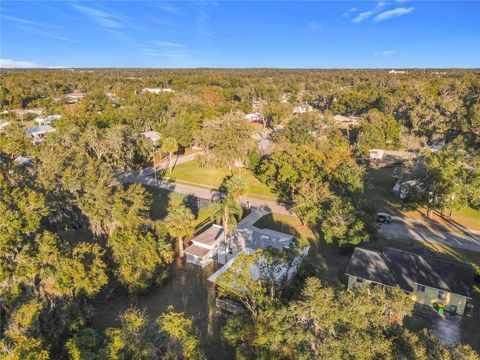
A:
x: 154, y: 167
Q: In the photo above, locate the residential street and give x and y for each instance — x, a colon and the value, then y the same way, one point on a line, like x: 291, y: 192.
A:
x: 144, y: 177
x: 401, y: 228
x: 403, y: 231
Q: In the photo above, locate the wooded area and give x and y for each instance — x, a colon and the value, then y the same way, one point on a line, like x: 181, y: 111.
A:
x: 71, y: 233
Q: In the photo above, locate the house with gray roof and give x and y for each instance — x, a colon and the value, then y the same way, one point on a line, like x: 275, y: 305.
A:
x: 38, y: 133
x: 204, y: 246
x: 428, y: 280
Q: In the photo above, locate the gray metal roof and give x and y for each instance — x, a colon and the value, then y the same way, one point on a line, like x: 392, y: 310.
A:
x: 39, y: 130
x: 395, y: 267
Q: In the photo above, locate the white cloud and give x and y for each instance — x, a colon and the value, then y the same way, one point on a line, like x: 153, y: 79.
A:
x: 313, y: 25
x: 165, y: 49
x: 384, y: 53
x: 393, y: 13
x: 23, y: 21
x: 170, y: 9
x: 168, y: 44
x: 363, y: 16
x: 15, y: 64
x: 381, y: 4
x: 100, y: 17
x: 45, y: 33
x: 350, y: 11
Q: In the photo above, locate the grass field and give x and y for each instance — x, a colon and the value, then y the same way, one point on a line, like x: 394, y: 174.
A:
x: 379, y: 194
x: 162, y: 199
x: 213, y: 177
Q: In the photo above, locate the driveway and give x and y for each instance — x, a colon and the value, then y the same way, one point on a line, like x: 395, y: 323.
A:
x: 447, y: 330
x: 402, y: 231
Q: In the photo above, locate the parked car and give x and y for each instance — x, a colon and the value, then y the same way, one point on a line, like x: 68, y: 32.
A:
x: 384, y: 218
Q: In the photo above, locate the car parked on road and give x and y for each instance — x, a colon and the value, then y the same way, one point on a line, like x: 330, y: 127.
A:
x: 384, y: 218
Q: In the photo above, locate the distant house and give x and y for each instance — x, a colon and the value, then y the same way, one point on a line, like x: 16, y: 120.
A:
x: 428, y: 280
x: 397, y: 71
x: 38, y: 133
x: 254, y: 117
x: 4, y: 124
x: 376, y: 154
x: 301, y: 109
x: 158, y: 90
x: 204, y: 246
x: 22, y: 161
x: 47, y: 120
x: 74, y: 97
x: 22, y: 112
x: 345, y: 120
x: 153, y: 136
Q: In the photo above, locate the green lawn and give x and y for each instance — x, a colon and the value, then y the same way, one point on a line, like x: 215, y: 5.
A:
x: 162, y: 199
x: 213, y: 177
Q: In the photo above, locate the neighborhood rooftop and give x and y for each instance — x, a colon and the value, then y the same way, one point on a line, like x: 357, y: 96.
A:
x: 209, y: 236
x: 394, y: 267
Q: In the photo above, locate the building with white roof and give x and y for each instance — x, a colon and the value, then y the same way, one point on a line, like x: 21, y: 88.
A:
x: 46, y: 120
x: 158, y: 90
x: 302, y: 109
x: 38, y: 133
x: 153, y: 136
x: 254, y: 117
x: 204, y: 246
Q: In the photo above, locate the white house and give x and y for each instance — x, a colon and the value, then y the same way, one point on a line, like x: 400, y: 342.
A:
x: 38, y: 133
x: 204, y: 246
x: 302, y: 109
x: 158, y: 90
x: 397, y: 71
x: 74, y: 97
x: 153, y: 136
x: 282, y: 271
x: 46, y: 120
x: 254, y: 117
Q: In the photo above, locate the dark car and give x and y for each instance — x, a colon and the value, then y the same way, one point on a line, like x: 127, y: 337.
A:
x: 384, y: 218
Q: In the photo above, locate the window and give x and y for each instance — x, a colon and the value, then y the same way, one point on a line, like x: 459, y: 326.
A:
x: 359, y: 280
x: 442, y: 295
x: 420, y: 288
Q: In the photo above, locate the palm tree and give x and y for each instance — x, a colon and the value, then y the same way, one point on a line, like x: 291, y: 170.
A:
x: 236, y: 187
x: 180, y: 223
x: 227, y: 210
x: 169, y: 145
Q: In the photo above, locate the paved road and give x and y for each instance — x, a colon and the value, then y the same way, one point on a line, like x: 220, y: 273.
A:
x: 144, y: 177
x: 441, y: 227
x: 402, y: 231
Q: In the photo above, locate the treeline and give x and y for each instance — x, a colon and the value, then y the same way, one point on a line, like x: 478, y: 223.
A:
x: 425, y: 102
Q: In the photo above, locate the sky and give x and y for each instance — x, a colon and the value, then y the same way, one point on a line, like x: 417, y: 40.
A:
x: 240, y: 34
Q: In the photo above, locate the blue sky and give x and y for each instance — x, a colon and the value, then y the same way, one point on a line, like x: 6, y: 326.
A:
x: 315, y: 34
